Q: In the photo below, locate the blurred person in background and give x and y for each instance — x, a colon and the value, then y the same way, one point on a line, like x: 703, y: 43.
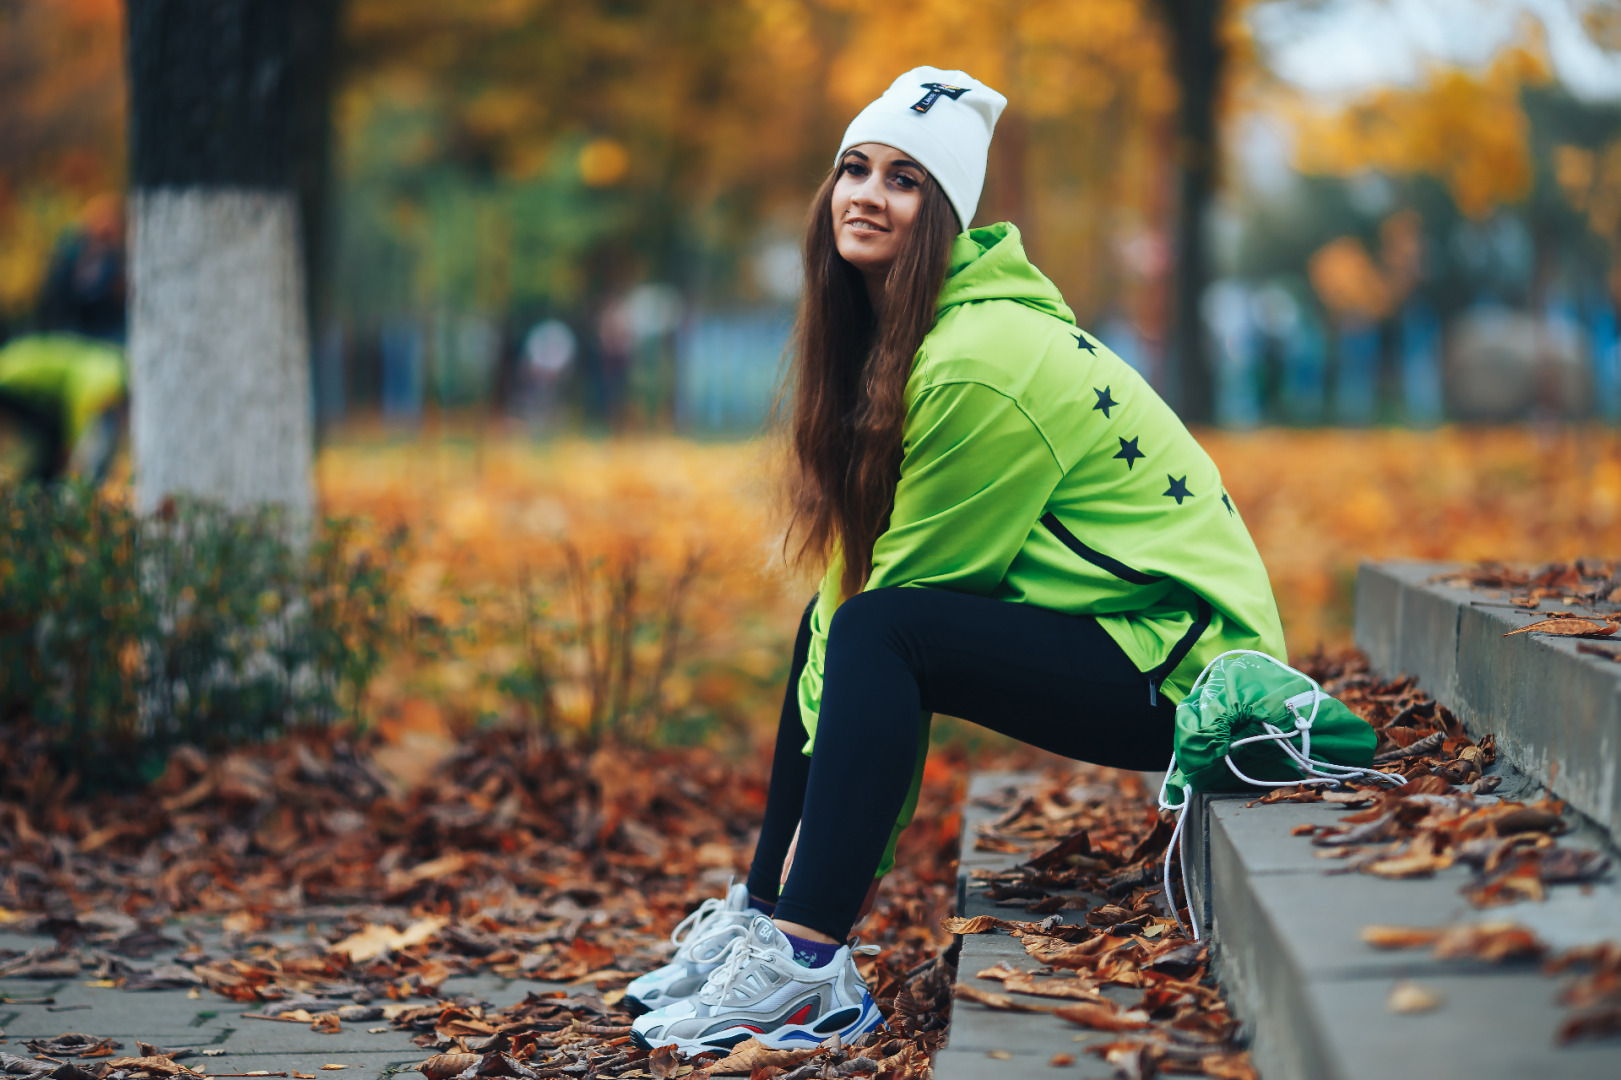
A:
x: 84, y: 286
x: 1016, y: 531
x: 548, y: 356
x: 62, y: 399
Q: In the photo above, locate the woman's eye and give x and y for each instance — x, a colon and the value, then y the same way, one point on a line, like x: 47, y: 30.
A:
x: 852, y: 169
x: 905, y: 181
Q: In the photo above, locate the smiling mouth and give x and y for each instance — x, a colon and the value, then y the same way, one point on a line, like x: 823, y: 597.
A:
x: 864, y: 225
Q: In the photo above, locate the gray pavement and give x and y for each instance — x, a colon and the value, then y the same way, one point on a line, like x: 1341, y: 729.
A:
x: 222, y: 1038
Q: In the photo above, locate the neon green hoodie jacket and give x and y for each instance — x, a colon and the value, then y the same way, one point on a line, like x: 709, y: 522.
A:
x: 76, y: 377
x: 1038, y: 468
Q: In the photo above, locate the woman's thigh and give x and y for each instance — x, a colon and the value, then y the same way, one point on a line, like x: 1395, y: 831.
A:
x: 1053, y: 680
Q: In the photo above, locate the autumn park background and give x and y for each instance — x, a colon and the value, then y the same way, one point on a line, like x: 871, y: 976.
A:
x: 549, y: 257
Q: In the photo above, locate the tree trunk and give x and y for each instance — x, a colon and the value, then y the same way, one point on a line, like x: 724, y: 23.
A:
x: 1196, y: 60
x: 221, y: 142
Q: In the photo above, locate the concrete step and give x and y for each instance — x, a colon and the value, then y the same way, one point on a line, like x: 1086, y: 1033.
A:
x: 1556, y: 712
x: 980, y: 1037
x: 1314, y: 996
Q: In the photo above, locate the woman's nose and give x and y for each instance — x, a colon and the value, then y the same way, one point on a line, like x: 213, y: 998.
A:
x: 870, y: 192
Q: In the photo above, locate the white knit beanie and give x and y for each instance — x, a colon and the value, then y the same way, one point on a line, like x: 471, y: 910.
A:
x: 944, y: 120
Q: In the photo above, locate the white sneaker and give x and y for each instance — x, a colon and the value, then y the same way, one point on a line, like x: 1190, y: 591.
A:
x: 701, y: 939
x: 761, y: 992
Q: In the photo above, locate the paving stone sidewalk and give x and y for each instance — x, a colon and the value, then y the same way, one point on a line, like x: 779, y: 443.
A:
x: 204, y: 1021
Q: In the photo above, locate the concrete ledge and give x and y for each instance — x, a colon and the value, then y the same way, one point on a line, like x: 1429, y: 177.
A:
x: 1313, y: 996
x: 1556, y: 712
x: 1029, y: 1039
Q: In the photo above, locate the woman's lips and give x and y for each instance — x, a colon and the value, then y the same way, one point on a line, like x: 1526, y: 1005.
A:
x: 864, y: 224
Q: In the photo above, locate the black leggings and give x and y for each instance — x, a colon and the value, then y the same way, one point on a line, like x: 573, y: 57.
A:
x: 1053, y: 680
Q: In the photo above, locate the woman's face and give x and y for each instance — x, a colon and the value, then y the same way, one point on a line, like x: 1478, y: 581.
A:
x: 875, y: 203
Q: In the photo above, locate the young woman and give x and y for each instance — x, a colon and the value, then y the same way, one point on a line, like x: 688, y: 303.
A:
x: 1017, y: 531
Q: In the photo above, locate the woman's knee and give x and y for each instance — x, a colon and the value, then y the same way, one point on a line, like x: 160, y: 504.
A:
x: 872, y: 619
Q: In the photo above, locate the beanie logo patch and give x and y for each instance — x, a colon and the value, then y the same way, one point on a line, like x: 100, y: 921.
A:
x: 935, y: 92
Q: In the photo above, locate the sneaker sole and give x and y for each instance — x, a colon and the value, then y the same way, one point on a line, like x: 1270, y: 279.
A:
x: 787, y: 1037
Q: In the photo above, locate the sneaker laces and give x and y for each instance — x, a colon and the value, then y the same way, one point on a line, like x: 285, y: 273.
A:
x: 689, y: 928
x: 739, y: 954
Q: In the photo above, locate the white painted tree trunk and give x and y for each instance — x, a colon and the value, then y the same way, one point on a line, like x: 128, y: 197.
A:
x: 218, y: 350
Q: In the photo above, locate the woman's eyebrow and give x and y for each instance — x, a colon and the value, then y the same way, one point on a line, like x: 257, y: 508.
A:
x: 904, y: 163
x: 855, y: 153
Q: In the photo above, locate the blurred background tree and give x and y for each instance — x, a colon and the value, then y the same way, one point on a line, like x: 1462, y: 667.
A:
x: 228, y: 129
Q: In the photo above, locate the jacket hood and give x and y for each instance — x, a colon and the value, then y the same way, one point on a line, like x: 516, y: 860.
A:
x: 989, y: 263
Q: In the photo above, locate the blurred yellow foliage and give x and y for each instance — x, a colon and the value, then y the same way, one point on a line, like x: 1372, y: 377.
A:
x: 1353, y: 286
x: 604, y: 162
x: 1466, y: 129
x: 1591, y: 181
x: 490, y: 523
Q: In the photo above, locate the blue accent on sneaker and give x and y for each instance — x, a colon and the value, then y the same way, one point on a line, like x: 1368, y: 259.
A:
x: 812, y: 954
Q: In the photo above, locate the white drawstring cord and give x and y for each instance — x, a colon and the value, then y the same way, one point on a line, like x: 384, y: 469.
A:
x: 1312, y: 770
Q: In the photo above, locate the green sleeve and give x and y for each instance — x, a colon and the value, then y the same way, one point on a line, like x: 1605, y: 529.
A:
x: 976, y: 474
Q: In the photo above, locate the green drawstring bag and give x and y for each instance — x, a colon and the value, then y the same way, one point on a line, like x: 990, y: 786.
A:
x: 1251, y: 721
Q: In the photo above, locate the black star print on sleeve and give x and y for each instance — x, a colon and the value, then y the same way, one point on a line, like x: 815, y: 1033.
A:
x: 1083, y: 344
x: 1228, y: 503
x: 1105, y: 402
x: 1178, y: 489
x: 1129, y: 451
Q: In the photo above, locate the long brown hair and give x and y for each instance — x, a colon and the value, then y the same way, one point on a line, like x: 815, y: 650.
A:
x: 849, y: 372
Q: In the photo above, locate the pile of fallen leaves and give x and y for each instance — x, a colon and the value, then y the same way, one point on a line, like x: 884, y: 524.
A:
x: 1583, y: 581
x: 1099, y: 844
x: 517, y: 857
x: 1443, y: 816
x: 1434, y: 820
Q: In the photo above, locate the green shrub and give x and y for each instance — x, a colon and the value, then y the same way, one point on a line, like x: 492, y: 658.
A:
x: 125, y: 636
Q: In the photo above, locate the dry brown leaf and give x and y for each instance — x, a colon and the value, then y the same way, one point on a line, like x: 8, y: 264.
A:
x: 326, y: 1024
x: 992, y: 1000
x: 1410, y: 997
x: 752, y: 1054
x: 1413, y: 864
x: 1400, y: 937
x: 375, y: 939
x: 979, y: 924
x: 334, y: 1066
x: 444, y: 1066
x: 152, y: 1063
x: 1591, y: 1025
x: 1569, y: 628
x: 1493, y: 942
x: 1071, y: 989
x: 1235, y: 1066
x: 1061, y: 1061
x: 665, y: 1061
x: 244, y: 922
x: 997, y: 972
x: 1528, y: 819
x: 1101, y: 1017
